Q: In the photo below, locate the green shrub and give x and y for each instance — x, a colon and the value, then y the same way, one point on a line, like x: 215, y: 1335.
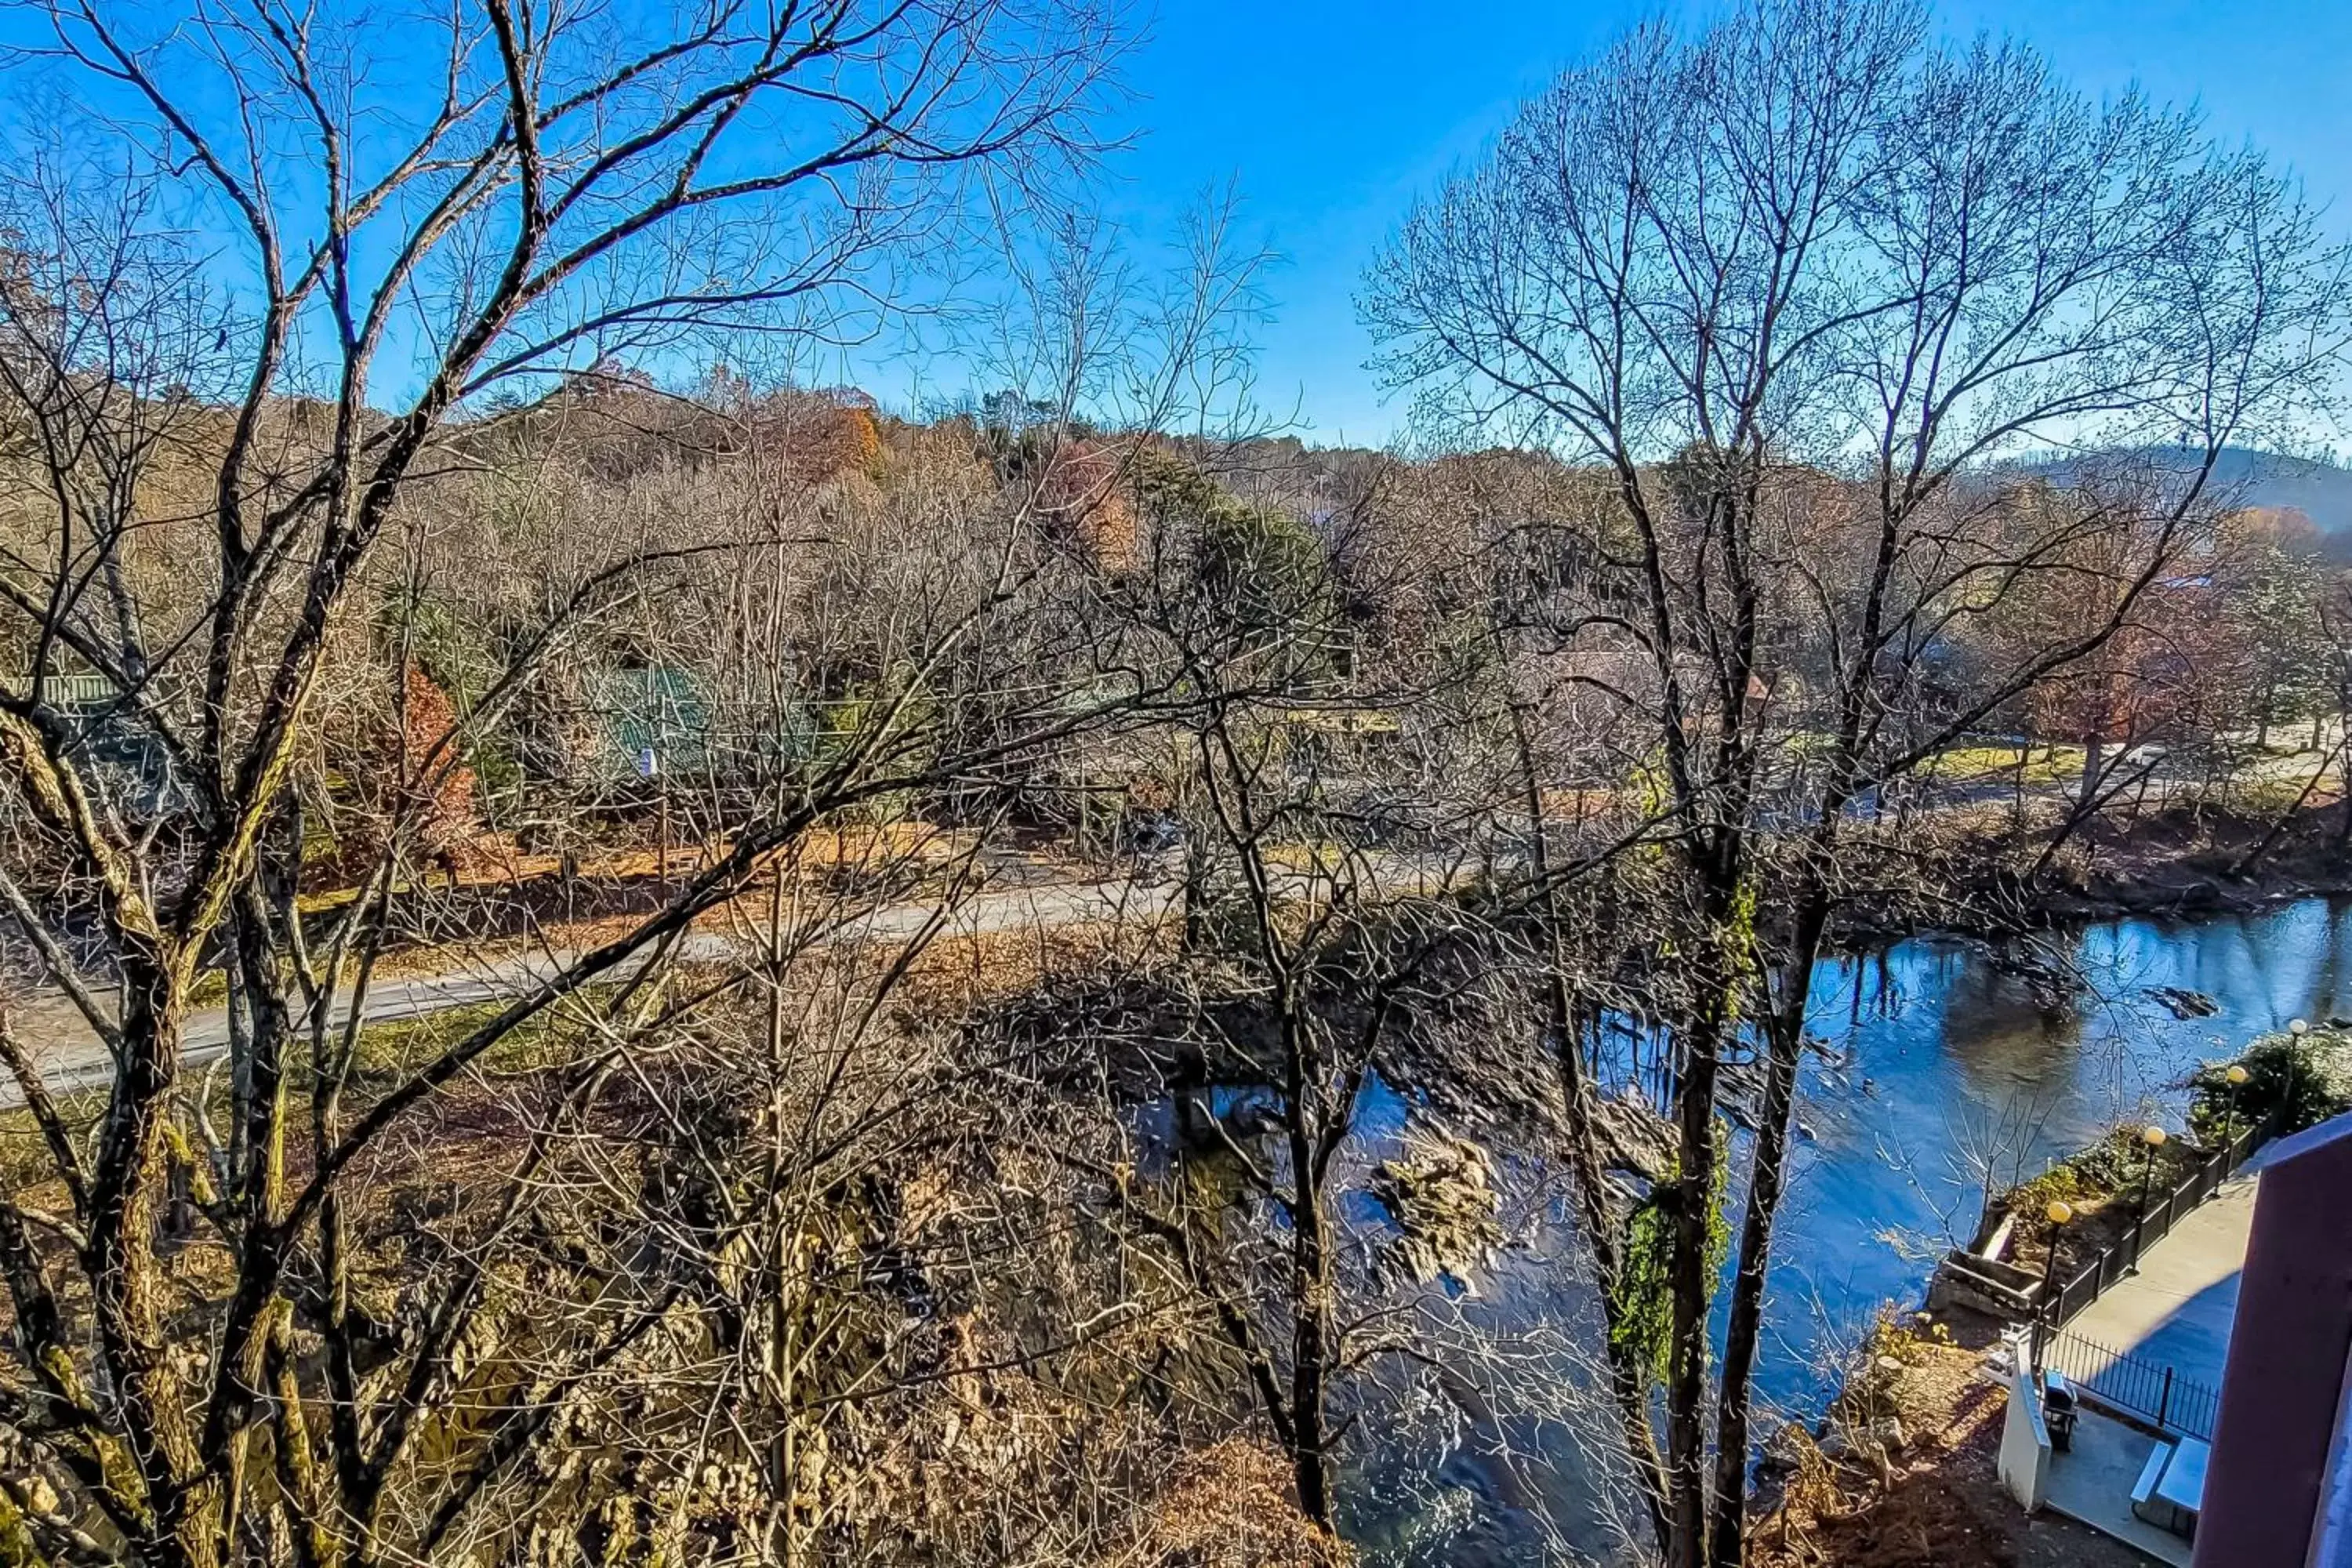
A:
x: 1266, y: 570
x: 2302, y: 1077
x: 1642, y: 1312
x: 2117, y: 1163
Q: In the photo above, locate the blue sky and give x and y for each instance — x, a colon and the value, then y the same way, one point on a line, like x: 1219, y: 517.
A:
x: 1331, y: 117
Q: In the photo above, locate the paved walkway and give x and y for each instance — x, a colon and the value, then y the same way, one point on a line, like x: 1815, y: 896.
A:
x: 2177, y: 1309
x: 2093, y: 1482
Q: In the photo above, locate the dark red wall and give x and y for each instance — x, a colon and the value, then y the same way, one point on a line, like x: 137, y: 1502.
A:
x: 2287, y: 1355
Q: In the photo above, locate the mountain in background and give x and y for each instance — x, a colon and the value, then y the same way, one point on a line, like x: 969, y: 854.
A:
x: 2321, y: 492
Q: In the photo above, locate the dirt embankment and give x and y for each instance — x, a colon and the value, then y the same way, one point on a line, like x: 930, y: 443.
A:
x: 1988, y: 876
x: 2178, y: 863
x: 1906, y: 1478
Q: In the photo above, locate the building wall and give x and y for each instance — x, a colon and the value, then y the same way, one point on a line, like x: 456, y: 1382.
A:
x: 2284, y: 1388
x: 2024, y: 1460
x: 2331, y: 1545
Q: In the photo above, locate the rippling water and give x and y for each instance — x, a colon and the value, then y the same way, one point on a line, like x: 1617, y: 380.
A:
x: 1931, y: 1049
x: 1943, y: 1049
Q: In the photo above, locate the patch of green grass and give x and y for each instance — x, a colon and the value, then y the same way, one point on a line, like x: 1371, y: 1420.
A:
x: 2115, y: 1166
x: 2268, y: 796
x: 24, y: 1160
x: 2304, y: 1080
x: 547, y: 1039
x: 2052, y: 764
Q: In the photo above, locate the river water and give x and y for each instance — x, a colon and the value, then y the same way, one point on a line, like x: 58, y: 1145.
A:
x: 1931, y: 1050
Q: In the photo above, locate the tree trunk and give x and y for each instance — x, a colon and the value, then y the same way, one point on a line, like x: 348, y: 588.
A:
x: 1196, y: 891
x: 1785, y: 1041
x: 1691, y: 1281
x: 2344, y: 822
x: 1629, y: 1378
x: 183, y: 1496
x: 1312, y: 1337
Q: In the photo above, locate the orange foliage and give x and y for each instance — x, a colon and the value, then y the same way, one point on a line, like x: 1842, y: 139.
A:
x: 816, y: 439
x: 439, y: 792
x: 1229, y: 1506
x: 1084, y: 501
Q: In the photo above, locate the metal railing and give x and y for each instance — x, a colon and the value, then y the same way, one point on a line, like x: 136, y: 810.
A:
x: 2134, y: 1384
x: 2093, y: 1276
x: 64, y: 689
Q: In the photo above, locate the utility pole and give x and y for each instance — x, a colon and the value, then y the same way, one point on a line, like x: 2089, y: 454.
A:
x: 649, y: 766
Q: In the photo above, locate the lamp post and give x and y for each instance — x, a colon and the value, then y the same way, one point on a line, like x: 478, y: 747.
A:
x: 2300, y: 1029
x: 2236, y: 1079
x: 2153, y: 1137
x: 2045, y: 1310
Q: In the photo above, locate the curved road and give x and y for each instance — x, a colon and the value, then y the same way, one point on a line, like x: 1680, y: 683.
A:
x: 71, y: 1057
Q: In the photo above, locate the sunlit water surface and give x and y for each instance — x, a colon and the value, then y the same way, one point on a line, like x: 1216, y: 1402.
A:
x: 1933, y: 1056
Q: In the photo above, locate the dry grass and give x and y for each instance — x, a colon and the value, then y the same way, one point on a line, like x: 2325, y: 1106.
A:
x: 1229, y: 1506
x: 1939, y: 1502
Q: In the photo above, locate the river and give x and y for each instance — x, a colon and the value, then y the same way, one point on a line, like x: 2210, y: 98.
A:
x: 1930, y: 1049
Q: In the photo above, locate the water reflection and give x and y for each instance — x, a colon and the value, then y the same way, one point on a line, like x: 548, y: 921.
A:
x: 1938, y: 1060
x: 1935, y: 1061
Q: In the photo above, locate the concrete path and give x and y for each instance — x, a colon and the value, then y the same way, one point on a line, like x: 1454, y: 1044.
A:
x: 71, y: 1057
x: 2177, y: 1310
x: 2093, y: 1482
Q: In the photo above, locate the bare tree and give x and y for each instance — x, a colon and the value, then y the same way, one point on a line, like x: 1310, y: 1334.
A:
x: 407, y: 233
x: 1796, y: 284
x: 1351, y: 898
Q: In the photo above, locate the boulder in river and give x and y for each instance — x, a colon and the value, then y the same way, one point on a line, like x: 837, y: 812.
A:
x: 1448, y: 1204
x: 1634, y: 1138
x: 2182, y: 1002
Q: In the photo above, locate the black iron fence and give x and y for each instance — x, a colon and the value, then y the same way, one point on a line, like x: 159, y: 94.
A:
x: 2134, y: 1384
x: 2090, y: 1278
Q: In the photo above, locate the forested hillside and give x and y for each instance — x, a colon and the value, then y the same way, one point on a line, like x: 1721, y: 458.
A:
x: 619, y: 953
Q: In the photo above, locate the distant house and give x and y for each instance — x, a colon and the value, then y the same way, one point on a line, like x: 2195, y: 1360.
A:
x: 121, y: 749
x: 656, y: 711
x: 663, y: 713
